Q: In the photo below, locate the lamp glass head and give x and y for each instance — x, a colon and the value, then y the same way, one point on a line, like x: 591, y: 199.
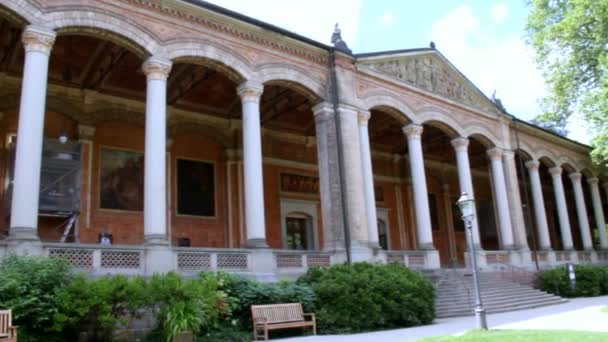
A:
x: 466, y: 205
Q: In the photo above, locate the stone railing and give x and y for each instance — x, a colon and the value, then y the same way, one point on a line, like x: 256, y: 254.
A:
x: 300, y: 261
x: 99, y: 259
x: 194, y: 260
x: 411, y: 259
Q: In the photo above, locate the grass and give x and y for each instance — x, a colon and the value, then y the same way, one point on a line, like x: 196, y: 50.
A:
x: 523, y: 336
x: 605, y: 310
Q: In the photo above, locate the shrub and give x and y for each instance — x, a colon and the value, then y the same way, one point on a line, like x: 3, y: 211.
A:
x: 590, y: 281
x: 186, y: 305
x: 28, y: 286
x: 362, y: 296
x: 242, y: 293
x: 99, y: 306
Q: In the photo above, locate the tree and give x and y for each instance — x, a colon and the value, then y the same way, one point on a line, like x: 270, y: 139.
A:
x: 570, y: 38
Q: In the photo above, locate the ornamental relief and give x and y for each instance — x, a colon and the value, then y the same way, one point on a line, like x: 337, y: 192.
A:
x: 429, y: 74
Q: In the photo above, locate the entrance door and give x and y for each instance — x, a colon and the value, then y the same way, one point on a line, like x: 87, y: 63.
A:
x: 297, y: 233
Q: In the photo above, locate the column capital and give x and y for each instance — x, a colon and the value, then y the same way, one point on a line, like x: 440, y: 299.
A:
x: 86, y: 132
x: 594, y: 181
x: 494, y: 153
x: 323, y: 111
x: 363, y: 117
x: 575, y: 176
x: 532, y: 165
x: 250, y: 91
x: 38, y: 38
x: 412, y: 131
x: 460, y: 144
x: 157, y: 68
x: 555, y: 171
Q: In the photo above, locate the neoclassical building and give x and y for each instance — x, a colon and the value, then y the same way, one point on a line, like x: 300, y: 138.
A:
x: 142, y: 136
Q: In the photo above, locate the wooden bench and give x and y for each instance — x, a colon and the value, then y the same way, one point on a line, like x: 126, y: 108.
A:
x: 280, y: 316
x: 8, y: 333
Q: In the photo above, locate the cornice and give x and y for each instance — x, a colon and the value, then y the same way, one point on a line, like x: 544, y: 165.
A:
x: 236, y: 28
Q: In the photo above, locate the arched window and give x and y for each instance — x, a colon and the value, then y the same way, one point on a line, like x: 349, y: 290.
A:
x: 382, y: 234
x: 298, y: 232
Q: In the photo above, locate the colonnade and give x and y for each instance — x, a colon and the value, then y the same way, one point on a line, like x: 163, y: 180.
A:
x: 355, y: 153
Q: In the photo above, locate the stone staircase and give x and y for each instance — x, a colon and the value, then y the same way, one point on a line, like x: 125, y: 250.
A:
x: 455, y: 294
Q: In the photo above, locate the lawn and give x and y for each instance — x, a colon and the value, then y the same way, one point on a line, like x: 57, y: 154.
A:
x: 523, y: 336
x: 605, y: 310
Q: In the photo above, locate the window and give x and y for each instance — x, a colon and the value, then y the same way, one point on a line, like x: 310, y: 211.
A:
x: 382, y: 235
x: 195, y: 188
x: 433, y: 210
x: 298, y: 232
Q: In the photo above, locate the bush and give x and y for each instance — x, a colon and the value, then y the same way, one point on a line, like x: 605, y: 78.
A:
x: 590, y: 281
x: 362, y: 297
x: 186, y: 305
x: 241, y: 293
x: 99, y: 306
x: 29, y: 287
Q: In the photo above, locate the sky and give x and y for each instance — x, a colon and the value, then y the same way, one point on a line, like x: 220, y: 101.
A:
x: 484, y: 39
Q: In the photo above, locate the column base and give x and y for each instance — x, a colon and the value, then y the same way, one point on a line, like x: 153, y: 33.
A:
x: 24, y: 241
x: 156, y: 240
x: 426, y: 246
x: 509, y: 248
x: 257, y: 243
x: 159, y: 257
x: 23, y: 234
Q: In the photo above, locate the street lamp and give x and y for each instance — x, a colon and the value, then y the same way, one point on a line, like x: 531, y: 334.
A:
x: 467, y: 209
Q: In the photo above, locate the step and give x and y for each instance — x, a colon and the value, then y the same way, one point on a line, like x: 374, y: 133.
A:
x: 469, y: 312
x: 499, y: 302
x: 501, y: 308
x: 439, y: 304
x: 465, y: 295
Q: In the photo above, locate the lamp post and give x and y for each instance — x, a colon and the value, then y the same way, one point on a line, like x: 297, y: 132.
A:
x: 467, y: 206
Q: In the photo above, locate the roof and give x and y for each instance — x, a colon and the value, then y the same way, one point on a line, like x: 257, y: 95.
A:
x: 306, y: 40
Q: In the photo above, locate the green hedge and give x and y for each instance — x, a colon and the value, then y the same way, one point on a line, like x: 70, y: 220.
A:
x: 364, y: 297
x: 590, y: 281
x: 51, y: 303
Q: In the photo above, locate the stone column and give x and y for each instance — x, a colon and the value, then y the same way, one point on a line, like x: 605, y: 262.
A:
x: 368, y: 180
x: 250, y: 93
x: 540, y: 214
x: 155, y: 177
x: 421, y: 202
x: 581, y: 210
x: 500, y: 197
x: 353, y: 182
x: 598, y: 211
x: 329, y: 177
x: 26, y: 187
x: 562, y: 208
x: 515, y: 205
x: 465, y: 181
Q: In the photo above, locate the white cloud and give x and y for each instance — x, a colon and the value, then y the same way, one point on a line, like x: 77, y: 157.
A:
x: 500, y: 12
x: 502, y: 64
x: 387, y: 19
x: 314, y: 19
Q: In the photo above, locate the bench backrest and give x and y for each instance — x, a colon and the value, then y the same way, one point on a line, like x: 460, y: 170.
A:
x: 275, y: 313
x: 5, y: 321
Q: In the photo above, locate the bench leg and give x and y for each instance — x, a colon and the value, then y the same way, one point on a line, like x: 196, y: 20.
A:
x: 265, y: 333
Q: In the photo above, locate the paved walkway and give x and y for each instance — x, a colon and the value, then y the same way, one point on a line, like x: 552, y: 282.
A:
x: 578, y: 314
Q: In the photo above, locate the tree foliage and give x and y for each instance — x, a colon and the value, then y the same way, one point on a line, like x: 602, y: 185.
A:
x: 571, y: 39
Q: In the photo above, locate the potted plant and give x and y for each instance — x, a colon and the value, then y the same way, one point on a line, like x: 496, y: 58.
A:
x: 182, y: 321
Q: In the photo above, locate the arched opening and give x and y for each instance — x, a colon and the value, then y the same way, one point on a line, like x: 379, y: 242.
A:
x: 489, y: 233
x: 392, y: 192
x: 291, y: 172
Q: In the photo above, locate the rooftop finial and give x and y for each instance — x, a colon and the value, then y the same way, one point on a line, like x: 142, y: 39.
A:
x: 336, y: 40
x: 432, y: 44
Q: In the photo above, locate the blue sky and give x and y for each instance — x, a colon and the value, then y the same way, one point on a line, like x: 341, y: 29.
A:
x: 483, y: 39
